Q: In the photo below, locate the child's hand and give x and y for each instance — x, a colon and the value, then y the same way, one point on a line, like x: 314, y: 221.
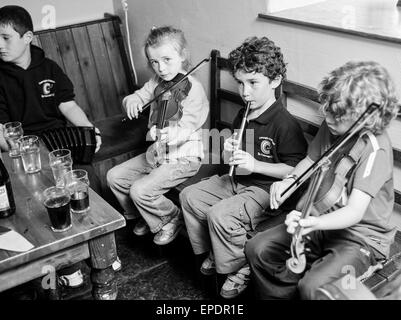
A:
x: 3, y: 142
x: 276, y: 189
x: 98, y: 139
x: 308, y: 224
x: 153, y: 133
x: 169, y: 135
x: 231, y: 143
x: 245, y: 162
x: 132, y: 107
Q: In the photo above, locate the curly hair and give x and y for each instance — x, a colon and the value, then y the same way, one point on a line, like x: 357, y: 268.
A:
x: 351, y: 88
x: 160, y: 35
x: 258, y: 55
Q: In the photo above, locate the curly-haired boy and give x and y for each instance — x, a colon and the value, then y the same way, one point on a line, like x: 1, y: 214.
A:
x: 219, y: 214
x: 356, y: 231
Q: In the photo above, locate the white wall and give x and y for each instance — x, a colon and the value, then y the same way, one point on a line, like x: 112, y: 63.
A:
x: 279, y: 5
x: 66, y: 12
x: 224, y: 24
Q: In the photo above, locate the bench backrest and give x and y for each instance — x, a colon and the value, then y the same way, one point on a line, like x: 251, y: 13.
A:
x: 94, y: 56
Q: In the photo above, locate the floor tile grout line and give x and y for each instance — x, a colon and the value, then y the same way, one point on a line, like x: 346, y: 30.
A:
x: 150, y: 269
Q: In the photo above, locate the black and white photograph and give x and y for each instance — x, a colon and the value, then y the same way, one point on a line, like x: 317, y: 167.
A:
x: 195, y: 158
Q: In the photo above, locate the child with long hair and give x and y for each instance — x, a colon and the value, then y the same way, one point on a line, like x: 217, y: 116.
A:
x: 355, y: 232
x: 140, y: 183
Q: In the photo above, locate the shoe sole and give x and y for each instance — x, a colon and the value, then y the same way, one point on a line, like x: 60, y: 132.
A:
x: 175, y: 234
x: 130, y: 216
x: 231, y: 296
x: 139, y: 234
x: 208, y: 272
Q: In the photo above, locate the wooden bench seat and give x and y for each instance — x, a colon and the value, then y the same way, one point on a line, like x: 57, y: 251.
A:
x: 119, y: 137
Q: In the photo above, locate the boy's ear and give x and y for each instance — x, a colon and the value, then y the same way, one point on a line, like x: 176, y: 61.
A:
x: 28, y: 37
x: 277, y: 81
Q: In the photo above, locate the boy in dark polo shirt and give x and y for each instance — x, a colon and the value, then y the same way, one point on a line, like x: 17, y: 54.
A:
x: 219, y: 213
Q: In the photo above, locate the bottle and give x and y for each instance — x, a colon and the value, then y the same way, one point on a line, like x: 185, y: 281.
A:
x: 7, y: 204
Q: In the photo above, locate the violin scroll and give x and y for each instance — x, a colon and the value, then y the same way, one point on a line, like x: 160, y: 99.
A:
x: 297, y: 262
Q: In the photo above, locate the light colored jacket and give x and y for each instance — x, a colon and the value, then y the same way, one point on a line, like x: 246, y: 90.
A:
x: 187, y: 130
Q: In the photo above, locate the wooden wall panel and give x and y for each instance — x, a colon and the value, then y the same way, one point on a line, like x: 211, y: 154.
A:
x: 103, y: 67
x: 116, y: 64
x: 36, y: 41
x: 72, y: 68
x: 50, y: 46
x: 89, y: 73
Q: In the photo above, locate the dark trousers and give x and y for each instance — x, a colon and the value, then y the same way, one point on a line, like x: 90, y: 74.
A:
x: 333, y: 254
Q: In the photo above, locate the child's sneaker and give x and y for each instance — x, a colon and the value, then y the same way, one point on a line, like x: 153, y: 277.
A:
x: 73, y: 280
x: 169, y: 231
x: 208, y: 266
x: 236, y: 283
x: 141, y: 227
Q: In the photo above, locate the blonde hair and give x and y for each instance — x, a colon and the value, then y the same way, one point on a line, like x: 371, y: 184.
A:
x: 351, y: 88
x: 160, y: 35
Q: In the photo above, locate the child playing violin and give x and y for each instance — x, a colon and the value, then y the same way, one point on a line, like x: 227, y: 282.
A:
x: 218, y: 213
x: 140, y: 183
x: 355, y: 232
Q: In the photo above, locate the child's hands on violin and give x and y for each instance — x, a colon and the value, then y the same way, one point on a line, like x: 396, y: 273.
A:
x: 309, y: 224
x: 166, y: 135
x: 132, y: 107
x: 276, y: 189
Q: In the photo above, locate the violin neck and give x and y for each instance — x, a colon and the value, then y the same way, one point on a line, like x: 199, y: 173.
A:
x: 161, y: 116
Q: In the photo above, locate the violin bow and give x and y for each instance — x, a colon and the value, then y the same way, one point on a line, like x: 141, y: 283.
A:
x: 200, y: 64
x: 356, y: 126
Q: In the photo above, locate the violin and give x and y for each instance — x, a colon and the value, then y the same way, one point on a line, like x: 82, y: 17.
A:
x: 171, y: 85
x: 175, y: 96
x: 168, y: 108
x: 231, y: 173
x: 321, y: 198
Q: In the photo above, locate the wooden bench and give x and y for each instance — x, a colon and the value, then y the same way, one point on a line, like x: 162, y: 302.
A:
x: 94, y: 56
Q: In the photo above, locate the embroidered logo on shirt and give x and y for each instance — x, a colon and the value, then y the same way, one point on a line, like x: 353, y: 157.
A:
x: 265, y: 147
x: 47, y: 88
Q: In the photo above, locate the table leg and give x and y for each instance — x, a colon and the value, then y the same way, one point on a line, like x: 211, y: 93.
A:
x: 103, y: 253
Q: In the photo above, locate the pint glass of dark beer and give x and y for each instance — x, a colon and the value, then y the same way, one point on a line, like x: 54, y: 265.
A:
x: 57, y: 203
x: 77, y: 183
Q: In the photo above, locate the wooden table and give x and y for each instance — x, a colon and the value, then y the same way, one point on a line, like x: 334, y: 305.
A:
x: 91, y: 235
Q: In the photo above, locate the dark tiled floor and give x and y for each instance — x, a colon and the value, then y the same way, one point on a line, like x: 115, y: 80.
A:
x: 153, y: 272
